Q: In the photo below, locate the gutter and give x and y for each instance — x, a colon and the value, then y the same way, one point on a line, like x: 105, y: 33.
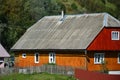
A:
x: 16, y: 50
x: 86, y: 62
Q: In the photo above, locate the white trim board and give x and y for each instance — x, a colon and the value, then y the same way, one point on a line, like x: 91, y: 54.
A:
x: 114, y: 72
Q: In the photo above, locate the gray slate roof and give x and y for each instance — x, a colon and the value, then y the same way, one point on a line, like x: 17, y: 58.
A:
x: 3, y: 52
x: 71, y: 32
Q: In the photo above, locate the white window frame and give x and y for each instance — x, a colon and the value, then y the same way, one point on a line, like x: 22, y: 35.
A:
x: 118, y: 58
x: 101, y: 57
x: 23, y: 55
x: 35, y: 59
x: 113, y: 34
x: 52, y: 56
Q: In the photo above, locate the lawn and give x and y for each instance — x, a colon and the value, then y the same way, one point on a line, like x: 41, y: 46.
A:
x: 41, y: 76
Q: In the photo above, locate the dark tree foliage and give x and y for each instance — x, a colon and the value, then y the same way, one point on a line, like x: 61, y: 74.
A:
x: 18, y: 15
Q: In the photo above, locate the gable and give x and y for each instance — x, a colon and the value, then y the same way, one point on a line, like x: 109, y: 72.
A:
x: 3, y: 52
x: 104, y: 41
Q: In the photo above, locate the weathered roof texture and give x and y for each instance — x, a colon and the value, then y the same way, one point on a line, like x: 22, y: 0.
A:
x: 3, y: 52
x: 71, y: 32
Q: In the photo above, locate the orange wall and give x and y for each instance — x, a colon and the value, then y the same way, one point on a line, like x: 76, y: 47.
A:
x: 29, y: 60
x: 110, y: 58
x: 75, y: 59
x: 71, y: 59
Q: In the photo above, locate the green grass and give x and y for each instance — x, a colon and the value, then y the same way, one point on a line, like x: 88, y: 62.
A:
x: 41, y: 76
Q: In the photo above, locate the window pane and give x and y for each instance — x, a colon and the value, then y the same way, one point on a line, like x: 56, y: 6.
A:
x: 51, y: 60
x: 1, y: 59
x: 24, y: 55
x: 118, y: 58
x: 37, y: 57
x: 99, y: 58
x: 53, y: 57
x: 95, y: 58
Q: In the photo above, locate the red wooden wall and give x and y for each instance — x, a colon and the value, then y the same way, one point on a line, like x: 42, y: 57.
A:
x: 103, y: 40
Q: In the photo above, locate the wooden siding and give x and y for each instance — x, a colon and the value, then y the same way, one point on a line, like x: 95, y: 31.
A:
x: 74, y: 59
x: 111, y: 57
x: 29, y: 60
x: 71, y: 59
x: 103, y: 41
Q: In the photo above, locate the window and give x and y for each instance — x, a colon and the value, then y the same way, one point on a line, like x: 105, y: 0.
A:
x: 119, y: 58
x: 36, y: 57
x: 115, y: 35
x: 24, y: 55
x: 98, y: 58
x: 1, y: 59
x: 51, y: 57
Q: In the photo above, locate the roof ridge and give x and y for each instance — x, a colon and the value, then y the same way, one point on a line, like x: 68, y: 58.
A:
x: 114, y: 18
x: 77, y: 14
x: 105, y: 20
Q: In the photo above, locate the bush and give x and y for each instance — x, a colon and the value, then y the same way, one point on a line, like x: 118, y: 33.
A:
x: 73, y: 5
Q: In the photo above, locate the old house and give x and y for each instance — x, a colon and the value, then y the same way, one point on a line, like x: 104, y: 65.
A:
x: 83, y: 41
x: 3, y: 54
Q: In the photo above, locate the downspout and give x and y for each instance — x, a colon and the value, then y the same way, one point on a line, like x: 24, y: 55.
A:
x: 86, y: 62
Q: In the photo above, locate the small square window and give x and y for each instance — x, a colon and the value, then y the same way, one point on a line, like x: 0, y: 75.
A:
x: 98, y: 58
x: 115, y: 35
x: 24, y: 55
x: 119, y: 58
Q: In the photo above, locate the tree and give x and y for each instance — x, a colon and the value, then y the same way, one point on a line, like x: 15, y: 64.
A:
x: 20, y: 15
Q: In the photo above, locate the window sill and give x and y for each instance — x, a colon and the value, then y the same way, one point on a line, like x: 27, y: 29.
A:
x: 118, y: 62
x: 36, y: 62
x: 97, y: 63
x: 115, y: 39
x: 1, y: 61
x: 23, y: 57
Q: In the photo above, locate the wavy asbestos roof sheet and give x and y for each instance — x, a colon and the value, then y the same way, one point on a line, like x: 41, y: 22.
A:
x: 3, y: 52
x: 71, y: 32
